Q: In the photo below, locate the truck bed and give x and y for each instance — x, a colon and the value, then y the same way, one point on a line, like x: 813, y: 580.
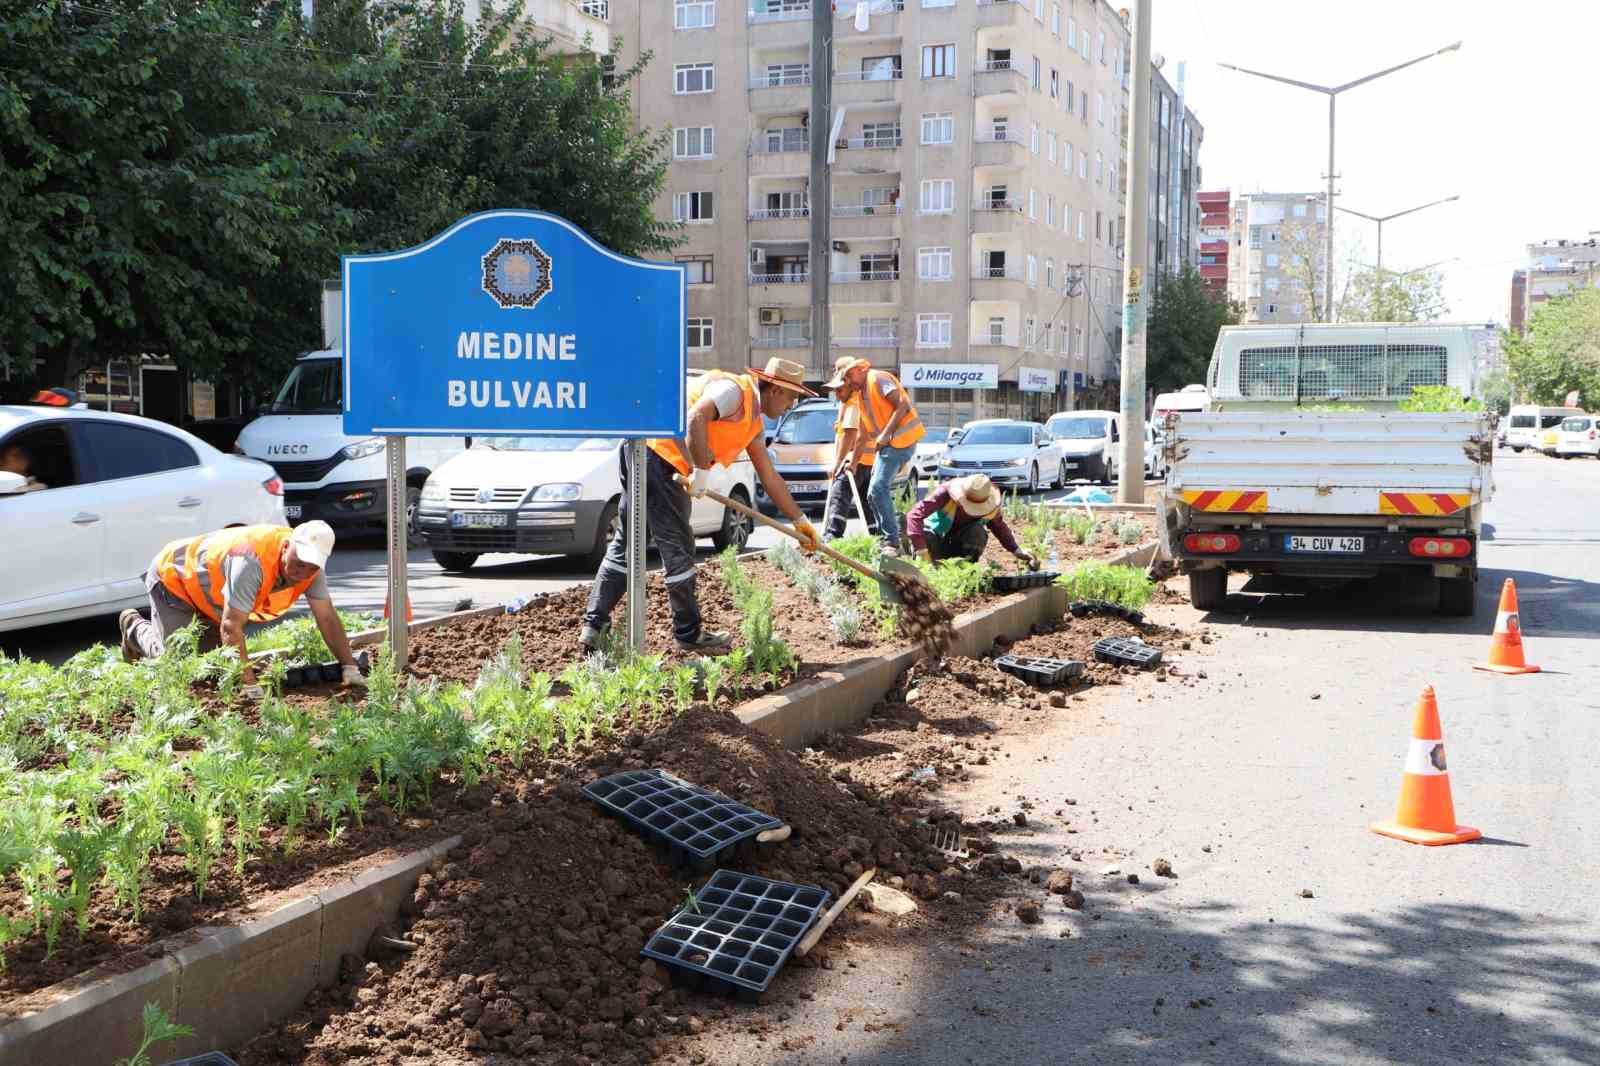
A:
x: 1407, y: 468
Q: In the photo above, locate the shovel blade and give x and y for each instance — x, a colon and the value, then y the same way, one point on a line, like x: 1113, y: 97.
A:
x: 890, y: 564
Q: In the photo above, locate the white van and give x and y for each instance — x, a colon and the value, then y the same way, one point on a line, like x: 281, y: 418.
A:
x: 326, y: 473
x: 1526, y: 424
x: 1189, y: 398
x: 1088, y: 442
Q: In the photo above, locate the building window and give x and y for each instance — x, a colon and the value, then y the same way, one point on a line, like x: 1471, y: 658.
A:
x: 1072, y: 32
x: 699, y: 333
x: 1099, y: 168
x: 1080, y: 225
x: 1049, y: 277
x: 1102, y: 47
x: 997, y: 329
x: 1046, y: 343
x: 938, y: 127
x: 779, y: 74
x: 1033, y: 271
x: 1100, y: 108
x: 938, y: 61
x: 1272, y: 284
x: 600, y: 9
x: 1272, y: 309
x: 933, y: 330
x: 1083, y: 105
x: 693, y: 78
x: 938, y: 3
x: 1033, y: 204
x: 1055, y: 83
x: 1049, y: 210
x: 692, y: 207
x: 697, y: 269
x: 693, y: 142
x: 934, y: 264
x: 938, y: 196
x: 1030, y: 331
x: 1033, y: 138
x: 1299, y: 210
x: 880, y: 134
x: 1066, y: 156
x: 1272, y: 259
x: 1050, y: 146
x: 1067, y: 103
x: 1083, y: 165
x: 693, y: 14
x: 1036, y: 72
x: 1038, y: 10
x: 786, y: 139
x: 1097, y: 220
x: 1055, y: 19
x: 1083, y: 43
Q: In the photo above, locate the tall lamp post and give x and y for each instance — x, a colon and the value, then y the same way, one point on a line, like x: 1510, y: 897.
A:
x: 1332, y: 93
x: 1381, y: 219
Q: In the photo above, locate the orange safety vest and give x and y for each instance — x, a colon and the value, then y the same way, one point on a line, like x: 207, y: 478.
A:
x: 869, y: 454
x: 728, y: 439
x: 179, y: 566
x: 877, y: 409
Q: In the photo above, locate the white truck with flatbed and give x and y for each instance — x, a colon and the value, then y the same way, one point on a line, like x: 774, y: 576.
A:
x: 1304, y: 467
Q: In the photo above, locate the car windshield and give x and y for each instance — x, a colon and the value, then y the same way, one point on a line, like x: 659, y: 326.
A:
x: 1575, y: 425
x: 1078, y: 428
x: 314, y: 387
x: 546, y: 444
x: 1521, y: 421
x: 814, y: 425
x: 998, y: 435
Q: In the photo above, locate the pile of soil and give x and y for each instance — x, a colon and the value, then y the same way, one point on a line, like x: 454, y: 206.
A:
x: 529, y: 934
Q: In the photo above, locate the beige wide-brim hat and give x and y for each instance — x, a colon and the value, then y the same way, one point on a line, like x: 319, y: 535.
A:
x: 785, y: 373
x: 842, y: 366
x: 976, y: 495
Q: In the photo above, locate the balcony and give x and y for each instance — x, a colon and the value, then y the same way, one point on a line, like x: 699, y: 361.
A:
x: 878, y: 154
x: 997, y: 216
x: 880, y: 27
x: 873, y: 340
x: 998, y: 283
x: 998, y: 77
x: 765, y: 163
x: 1000, y: 13
x: 570, y: 23
x: 780, y: 223
x: 1006, y: 148
x: 851, y: 87
x: 788, y: 289
x: 864, y: 287
x: 775, y: 342
x: 788, y: 92
x: 864, y: 221
x: 1217, y: 271
x: 780, y: 27
x: 992, y: 344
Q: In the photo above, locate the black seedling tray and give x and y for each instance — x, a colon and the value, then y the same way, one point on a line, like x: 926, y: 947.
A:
x: 210, y: 1058
x: 1085, y: 608
x: 696, y: 825
x: 1030, y: 580
x: 1125, y: 652
x: 1040, y: 671
x: 745, y: 930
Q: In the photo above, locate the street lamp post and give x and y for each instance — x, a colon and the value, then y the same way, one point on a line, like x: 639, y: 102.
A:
x: 1381, y: 219
x: 1332, y: 93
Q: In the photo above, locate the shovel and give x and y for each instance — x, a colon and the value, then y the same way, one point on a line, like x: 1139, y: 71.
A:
x: 891, y: 565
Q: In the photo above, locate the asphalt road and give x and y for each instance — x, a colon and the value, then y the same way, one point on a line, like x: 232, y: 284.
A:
x: 1276, y: 763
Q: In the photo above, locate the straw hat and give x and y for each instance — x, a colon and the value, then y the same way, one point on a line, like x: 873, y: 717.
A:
x: 843, y: 366
x: 785, y: 373
x: 976, y: 495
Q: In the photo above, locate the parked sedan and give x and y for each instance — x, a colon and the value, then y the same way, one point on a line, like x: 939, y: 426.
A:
x: 90, y: 497
x: 1011, y: 452
x: 931, y: 450
x: 1580, y: 435
x: 1154, y: 465
x: 803, y: 453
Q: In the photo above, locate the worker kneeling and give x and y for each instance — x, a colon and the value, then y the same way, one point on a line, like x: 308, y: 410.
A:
x: 724, y: 423
x: 954, y: 520
x: 234, y: 576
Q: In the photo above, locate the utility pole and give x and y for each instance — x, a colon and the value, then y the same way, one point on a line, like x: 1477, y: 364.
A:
x: 820, y: 196
x: 1136, y: 245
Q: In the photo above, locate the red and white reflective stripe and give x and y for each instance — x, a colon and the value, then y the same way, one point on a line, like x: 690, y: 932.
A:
x: 1507, y: 622
x: 1425, y: 758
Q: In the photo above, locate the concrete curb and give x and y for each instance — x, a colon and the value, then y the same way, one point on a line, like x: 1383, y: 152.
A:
x: 227, y: 982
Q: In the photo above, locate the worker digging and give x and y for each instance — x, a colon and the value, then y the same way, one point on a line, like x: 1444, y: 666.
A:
x: 725, y: 423
x: 852, y: 469
x: 890, y: 429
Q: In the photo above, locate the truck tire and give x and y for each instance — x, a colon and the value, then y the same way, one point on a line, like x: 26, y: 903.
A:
x: 1458, y: 596
x: 1208, y: 589
x: 458, y: 561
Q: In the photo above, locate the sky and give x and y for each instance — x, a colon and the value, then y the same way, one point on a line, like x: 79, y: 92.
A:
x: 1509, y: 122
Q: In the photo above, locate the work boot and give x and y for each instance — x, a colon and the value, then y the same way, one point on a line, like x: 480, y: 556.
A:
x: 131, y: 652
x: 709, y: 640
x: 590, y: 639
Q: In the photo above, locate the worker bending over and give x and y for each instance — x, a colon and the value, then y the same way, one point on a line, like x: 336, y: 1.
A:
x: 232, y: 577
x: 725, y: 424
x: 954, y: 521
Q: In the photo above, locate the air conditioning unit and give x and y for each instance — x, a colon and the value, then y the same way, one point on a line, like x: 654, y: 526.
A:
x: 772, y: 316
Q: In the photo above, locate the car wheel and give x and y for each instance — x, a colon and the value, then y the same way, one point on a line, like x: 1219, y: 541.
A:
x: 1061, y: 475
x: 736, y: 528
x: 1208, y: 589
x: 1033, y: 478
x: 455, y: 560
x: 603, y: 532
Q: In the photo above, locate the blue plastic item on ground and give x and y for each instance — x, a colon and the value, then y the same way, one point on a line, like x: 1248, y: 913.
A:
x: 1087, y: 495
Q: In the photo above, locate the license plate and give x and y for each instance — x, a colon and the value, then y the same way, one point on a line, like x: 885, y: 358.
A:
x: 291, y: 510
x: 1329, y: 545
x: 477, y: 519
x: 808, y: 486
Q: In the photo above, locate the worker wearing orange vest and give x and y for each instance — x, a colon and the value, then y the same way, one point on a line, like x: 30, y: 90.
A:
x: 231, y: 577
x: 889, y: 427
x: 841, y: 497
x: 725, y: 424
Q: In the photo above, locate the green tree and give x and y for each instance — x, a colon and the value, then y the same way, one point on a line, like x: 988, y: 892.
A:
x: 1182, y: 330
x: 1559, y: 352
x: 1495, y: 390
x: 1384, y: 296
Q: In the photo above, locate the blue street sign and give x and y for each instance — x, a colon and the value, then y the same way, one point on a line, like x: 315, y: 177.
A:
x: 513, y: 322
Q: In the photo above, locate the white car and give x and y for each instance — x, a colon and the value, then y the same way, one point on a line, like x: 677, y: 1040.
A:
x: 1154, y: 465
x: 545, y: 495
x: 1010, y: 452
x: 116, y: 490
x: 931, y: 450
x: 1580, y: 435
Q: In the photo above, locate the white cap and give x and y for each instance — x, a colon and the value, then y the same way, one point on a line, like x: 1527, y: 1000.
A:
x: 312, y: 542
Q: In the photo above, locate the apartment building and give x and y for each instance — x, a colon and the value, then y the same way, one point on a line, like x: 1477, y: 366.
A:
x: 1555, y: 268
x: 1175, y: 138
x: 975, y: 196
x: 1276, y: 255
x: 1215, y: 223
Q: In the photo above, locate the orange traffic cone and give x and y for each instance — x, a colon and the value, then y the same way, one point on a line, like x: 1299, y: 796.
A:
x: 410, y: 616
x: 1425, y: 813
x: 1505, y: 648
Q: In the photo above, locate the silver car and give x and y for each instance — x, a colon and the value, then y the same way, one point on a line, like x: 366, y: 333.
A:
x: 1010, y: 452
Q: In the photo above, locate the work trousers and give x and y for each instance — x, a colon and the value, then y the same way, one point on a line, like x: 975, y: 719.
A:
x: 842, y: 502
x: 966, y: 543
x: 666, y: 513
x: 168, y: 614
x: 881, y: 490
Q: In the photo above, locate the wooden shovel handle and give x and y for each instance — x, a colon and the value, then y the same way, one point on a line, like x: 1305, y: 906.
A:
x: 811, y: 938
x: 836, y: 556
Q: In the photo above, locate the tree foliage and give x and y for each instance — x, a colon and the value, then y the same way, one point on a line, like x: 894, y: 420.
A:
x: 177, y: 176
x: 1559, y: 352
x: 1185, y: 318
x: 1384, y: 296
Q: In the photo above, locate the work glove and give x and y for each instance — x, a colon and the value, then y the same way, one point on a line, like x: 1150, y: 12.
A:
x: 352, y: 675
x: 809, y: 540
x: 1029, y: 560
x: 695, y: 484
x: 253, y: 692
x: 924, y: 556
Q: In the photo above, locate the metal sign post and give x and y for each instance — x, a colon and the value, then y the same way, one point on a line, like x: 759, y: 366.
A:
x: 637, y: 474
x: 395, y: 451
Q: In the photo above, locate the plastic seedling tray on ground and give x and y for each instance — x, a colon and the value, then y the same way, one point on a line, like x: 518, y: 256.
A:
x: 695, y: 825
x: 1040, y: 671
x: 1124, y: 651
x: 1085, y: 608
x: 1029, y: 580
x: 738, y: 934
